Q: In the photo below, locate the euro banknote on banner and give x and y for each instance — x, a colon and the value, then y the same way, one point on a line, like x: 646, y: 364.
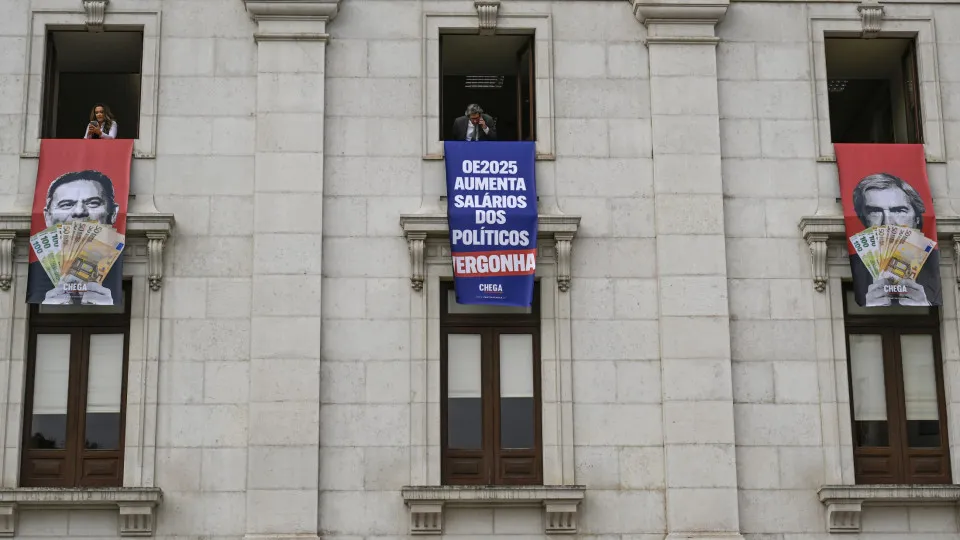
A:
x: 892, y: 252
x: 86, y: 250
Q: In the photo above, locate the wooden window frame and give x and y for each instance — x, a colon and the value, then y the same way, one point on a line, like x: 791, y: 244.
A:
x: 898, y: 463
x: 526, y: 113
x: 81, y: 467
x: 496, y: 466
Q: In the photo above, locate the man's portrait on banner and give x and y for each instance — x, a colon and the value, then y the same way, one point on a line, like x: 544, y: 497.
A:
x: 883, y: 200
x: 78, y: 223
x: 80, y: 196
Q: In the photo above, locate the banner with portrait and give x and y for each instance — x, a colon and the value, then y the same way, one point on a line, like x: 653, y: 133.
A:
x: 79, y: 222
x: 890, y: 224
x: 492, y: 212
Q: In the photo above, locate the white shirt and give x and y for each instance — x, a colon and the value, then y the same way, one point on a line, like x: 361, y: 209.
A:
x: 111, y: 135
x: 471, y: 127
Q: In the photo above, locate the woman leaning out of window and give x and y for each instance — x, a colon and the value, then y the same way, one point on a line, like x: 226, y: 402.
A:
x: 102, y: 124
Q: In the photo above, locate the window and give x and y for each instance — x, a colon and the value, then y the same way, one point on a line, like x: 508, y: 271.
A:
x: 85, y: 68
x: 873, y: 91
x: 73, y: 433
x: 490, y: 393
x: 501, y: 79
x: 896, y: 389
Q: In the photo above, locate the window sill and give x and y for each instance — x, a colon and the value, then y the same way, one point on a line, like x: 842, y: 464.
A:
x: 136, y: 505
x: 845, y: 503
x: 426, y: 504
x: 538, y: 157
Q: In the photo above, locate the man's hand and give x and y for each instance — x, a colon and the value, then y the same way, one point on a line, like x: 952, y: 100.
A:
x: 876, y: 296
x: 58, y: 296
x: 483, y: 124
x: 915, y: 296
x: 97, y: 295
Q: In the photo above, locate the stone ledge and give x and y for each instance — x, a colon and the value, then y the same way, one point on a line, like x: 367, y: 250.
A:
x: 845, y: 503
x: 135, y: 505
x: 426, y: 504
x: 156, y: 228
x: 417, y: 228
x: 818, y: 231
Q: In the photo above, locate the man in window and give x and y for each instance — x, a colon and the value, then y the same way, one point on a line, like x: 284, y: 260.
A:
x: 77, y: 196
x: 474, y: 125
x: 884, y: 199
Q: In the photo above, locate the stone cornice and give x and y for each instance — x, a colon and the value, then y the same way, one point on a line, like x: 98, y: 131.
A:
x: 136, y: 506
x: 845, y: 503
x: 819, y: 231
x: 711, y: 12
x: 292, y: 20
x: 155, y: 228
x: 426, y: 504
x: 417, y: 228
x: 292, y: 9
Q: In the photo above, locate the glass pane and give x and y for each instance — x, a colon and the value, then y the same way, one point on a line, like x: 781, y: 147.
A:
x: 920, y: 391
x: 104, y: 392
x: 516, y: 391
x: 869, y: 395
x: 50, y: 385
x: 479, y: 309
x: 464, y: 392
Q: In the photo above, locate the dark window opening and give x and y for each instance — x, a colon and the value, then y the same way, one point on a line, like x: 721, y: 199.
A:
x: 490, y: 386
x: 75, y: 399
x: 496, y: 72
x: 83, y: 69
x: 873, y: 90
x: 897, y: 403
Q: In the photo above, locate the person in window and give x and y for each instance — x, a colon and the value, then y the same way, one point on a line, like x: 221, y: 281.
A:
x: 474, y: 125
x: 884, y: 199
x: 102, y: 124
x: 77, y: 196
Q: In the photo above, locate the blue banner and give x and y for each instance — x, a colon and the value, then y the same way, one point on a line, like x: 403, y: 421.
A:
x: 492, y: 211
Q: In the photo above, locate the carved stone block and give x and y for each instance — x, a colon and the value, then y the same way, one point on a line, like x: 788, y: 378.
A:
x: 426, y: 518
x: 136, y: 519
x: 843, y: 517
x: 8, y: 520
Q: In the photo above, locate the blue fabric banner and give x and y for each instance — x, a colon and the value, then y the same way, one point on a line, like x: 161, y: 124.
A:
x: 492, y: 211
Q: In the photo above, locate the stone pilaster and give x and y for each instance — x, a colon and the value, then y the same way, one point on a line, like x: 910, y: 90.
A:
x: 284, y: 439
x: 697, y: 396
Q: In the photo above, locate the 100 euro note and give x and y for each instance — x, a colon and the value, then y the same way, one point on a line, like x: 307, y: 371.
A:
x: 46, y: 245
x: 865, y: 244
x: 909, y: 256
x: 99, y: 249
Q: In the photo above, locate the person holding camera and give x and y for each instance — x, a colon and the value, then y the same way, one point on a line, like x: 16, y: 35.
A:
x: 102, y: 124
x: 474, y: 125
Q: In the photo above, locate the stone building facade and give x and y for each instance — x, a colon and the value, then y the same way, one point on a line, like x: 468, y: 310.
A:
x: 288, y: 262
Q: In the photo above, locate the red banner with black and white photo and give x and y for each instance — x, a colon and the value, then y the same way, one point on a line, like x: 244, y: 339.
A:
x: 79, y: 222
x: 890, y: 224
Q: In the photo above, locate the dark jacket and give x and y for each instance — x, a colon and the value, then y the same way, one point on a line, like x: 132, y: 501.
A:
x: 460, y: 129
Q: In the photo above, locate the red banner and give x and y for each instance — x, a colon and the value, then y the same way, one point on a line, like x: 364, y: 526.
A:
x: 79, y: 222
x: 891, y: 228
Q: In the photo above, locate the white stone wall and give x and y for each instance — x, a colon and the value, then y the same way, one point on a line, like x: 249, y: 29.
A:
x: 257, y: 205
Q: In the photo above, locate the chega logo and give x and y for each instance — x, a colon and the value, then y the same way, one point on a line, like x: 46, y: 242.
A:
x: 491, y: 287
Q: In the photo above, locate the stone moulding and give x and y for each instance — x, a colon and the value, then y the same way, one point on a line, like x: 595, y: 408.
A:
x: 844, y: 504
x: 487, y: 14
x: 292, y: 20
x: 819, y: 232
x: 95, y: 11
x: 136, y: 505
x: 417, y: 228
x: 154, y: 228
x: 426, y: 504
x: 871, y: 17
